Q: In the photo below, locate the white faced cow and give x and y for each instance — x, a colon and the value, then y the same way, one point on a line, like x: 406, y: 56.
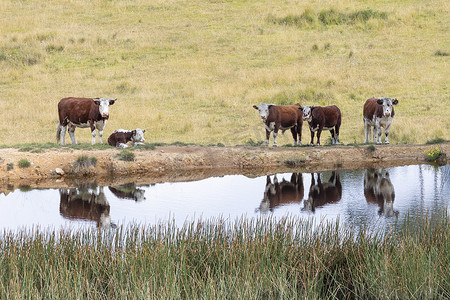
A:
x: 121, y: 137
x: 377, y: 113
x: 282, y: 117
x: 82, y: 112
x: 320, y: 118
x: 378, y: 189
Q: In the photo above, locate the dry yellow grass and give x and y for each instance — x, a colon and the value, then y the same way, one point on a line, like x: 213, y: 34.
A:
x: 190, y: 71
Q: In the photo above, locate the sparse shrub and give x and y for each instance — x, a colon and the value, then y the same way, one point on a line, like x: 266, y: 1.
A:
x: 24, y: 163
x: 435, y: 141
x: 85, y: 162
x: 441, y: 53
x: 9, y: 166
x: 433, y: 154
x: 251, y: 142
x: 371, y: 148
x: 126, y: 155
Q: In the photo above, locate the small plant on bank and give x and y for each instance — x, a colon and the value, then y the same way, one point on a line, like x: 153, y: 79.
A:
x: 251, y: 142
x: 371, y: 148
x: 435, y: 141
x: 126, y: 155
x: 434, y: 154
x: 24, y: 163
x: 85, y: 162
x: 9, y: 166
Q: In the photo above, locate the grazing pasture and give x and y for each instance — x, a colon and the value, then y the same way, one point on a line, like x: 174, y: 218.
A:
x: 190, y: 71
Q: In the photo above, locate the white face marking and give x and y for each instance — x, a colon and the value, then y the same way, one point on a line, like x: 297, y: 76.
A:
x: 139, y: 137
x: 263, y: 109
x: 103, y: 105
x: 387, y: 106
x: 307, y: 113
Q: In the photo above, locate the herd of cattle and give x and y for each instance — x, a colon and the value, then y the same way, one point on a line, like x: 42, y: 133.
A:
x: 377, y: 113
x: 94, y: 113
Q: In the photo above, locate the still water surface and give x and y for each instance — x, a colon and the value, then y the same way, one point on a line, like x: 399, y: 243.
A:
x: 356, y: 197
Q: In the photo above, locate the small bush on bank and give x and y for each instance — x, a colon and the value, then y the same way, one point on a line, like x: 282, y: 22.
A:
x: 24, y: 163
x: 126, y: 155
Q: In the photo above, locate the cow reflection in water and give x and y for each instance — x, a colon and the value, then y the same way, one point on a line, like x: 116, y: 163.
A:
x: 379, y: 190
x: 86, y: 202
x: 128, y: 191
x: 280, y: 193
x: 323, y: 193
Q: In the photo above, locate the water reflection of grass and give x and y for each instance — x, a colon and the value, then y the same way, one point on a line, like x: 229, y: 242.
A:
x: 256, y: 258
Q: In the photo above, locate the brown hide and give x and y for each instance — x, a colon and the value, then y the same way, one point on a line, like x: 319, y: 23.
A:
x: 78, y: 111
x: 321, y: 194
x: 79, y: 204
x: 325, y: 117
x: 286, y: 192
x: 118, y: 137
x: 372, y: 108
x: 285, y: 115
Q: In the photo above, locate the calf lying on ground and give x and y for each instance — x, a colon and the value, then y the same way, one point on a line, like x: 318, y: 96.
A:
x: 121, y: 137
x: 377, y: 113
x: 282, y: 117
x: 319, y: 118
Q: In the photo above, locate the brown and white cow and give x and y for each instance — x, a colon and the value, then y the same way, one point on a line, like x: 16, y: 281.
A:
x: 321, y: 194
x: 82, y: 112
x: 377, y: 113
x: 282, y: 117
x: 320, y: 118
x: 85, y: 203
x: 121, y: 137
x: 286, y: 192
x: 378, y: 189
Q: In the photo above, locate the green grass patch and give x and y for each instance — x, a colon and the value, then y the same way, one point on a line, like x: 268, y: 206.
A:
x: 24, y: 163
x: 126, y: 155
x: 84, y: 161
x: 436, y: 141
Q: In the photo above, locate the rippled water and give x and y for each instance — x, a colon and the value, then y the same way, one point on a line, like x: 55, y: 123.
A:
x: 356, y: 197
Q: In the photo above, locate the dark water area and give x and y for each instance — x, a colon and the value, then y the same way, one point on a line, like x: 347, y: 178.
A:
x: 379, y: 197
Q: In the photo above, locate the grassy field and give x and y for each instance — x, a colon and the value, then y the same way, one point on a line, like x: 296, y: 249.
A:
x: 216, y: 259
x: 190, y: 71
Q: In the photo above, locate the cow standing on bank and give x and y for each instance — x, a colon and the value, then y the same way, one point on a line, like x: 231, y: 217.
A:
x: 320, y: 118
x: 282, y: 117
x: 377, y: 113
x: 83, y: 113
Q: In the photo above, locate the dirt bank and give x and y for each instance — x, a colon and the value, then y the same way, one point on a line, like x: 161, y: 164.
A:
x: 57, y: 167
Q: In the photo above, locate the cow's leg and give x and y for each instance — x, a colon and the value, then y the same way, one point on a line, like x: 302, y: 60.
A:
x: 294, y: 134
x: 63, y: 135
x: 100, y: 135
x: 386, y: 132
x: 299, y: 132
x: 366, y: 131
x: 336, y: 135
x: 319, y: 132
x: 267, y: 137
x: 378, y: 133
x: 93, y: 133
x: 72, y: 134
x: 275, y: 133
x: 333, y: 141
x: 312, y: 138
x: 100, y: 126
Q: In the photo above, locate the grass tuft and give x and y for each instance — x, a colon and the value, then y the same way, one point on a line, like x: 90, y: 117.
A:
x: 24, y: 163
x: 126, y: 155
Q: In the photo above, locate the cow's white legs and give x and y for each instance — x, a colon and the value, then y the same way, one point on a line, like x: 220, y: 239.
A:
x: 122, y: 145
x: 275, y: 138
x: 63, y: 135
x: 93, y: 137
x: 72, y: 135
x: 386, y: 132
x: 100, y: 134
x: 366, y: 132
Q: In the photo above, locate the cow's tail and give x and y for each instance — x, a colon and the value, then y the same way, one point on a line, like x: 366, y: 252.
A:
x: 58, y: 133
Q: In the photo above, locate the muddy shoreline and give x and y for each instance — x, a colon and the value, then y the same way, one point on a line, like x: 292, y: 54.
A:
x: 54, y: 168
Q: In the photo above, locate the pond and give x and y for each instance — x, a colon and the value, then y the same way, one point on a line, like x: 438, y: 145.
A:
x: 355, y: 197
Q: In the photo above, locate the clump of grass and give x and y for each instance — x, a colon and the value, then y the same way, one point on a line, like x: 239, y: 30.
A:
x: 441, y: 53
x: 126, y: 155
x: 435, y: 155
x: 295, y: 162
x: 251, y: 142
x: 436, y: 141
x: 24, y: 163
x: 85, y: 162
x: 9, y: 166
x: 371, y: 148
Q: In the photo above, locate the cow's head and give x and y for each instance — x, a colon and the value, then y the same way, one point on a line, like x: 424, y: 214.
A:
x: 307, y: 112
x: 103, y: 105
x: 138, y: 135
x: 387, y: 104
x: 263, y: 109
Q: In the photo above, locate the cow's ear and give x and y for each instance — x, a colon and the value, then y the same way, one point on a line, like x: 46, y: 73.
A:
x: 380, y: 101
x: 112, y: 101
x: 133, y: 132
x: 300, y: 107
x: 395, y: 101
x: 96, y: 101
x: 313, y: 107
x: 255, y: 107
x: 270, y: 105
x: 143, y: 130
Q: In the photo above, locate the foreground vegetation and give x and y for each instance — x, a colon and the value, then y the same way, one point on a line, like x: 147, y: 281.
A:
x: 190, y: 71
x: 260, y: 258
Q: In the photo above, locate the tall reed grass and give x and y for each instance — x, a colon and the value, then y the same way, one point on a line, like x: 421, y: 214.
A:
x: 263, y: 258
